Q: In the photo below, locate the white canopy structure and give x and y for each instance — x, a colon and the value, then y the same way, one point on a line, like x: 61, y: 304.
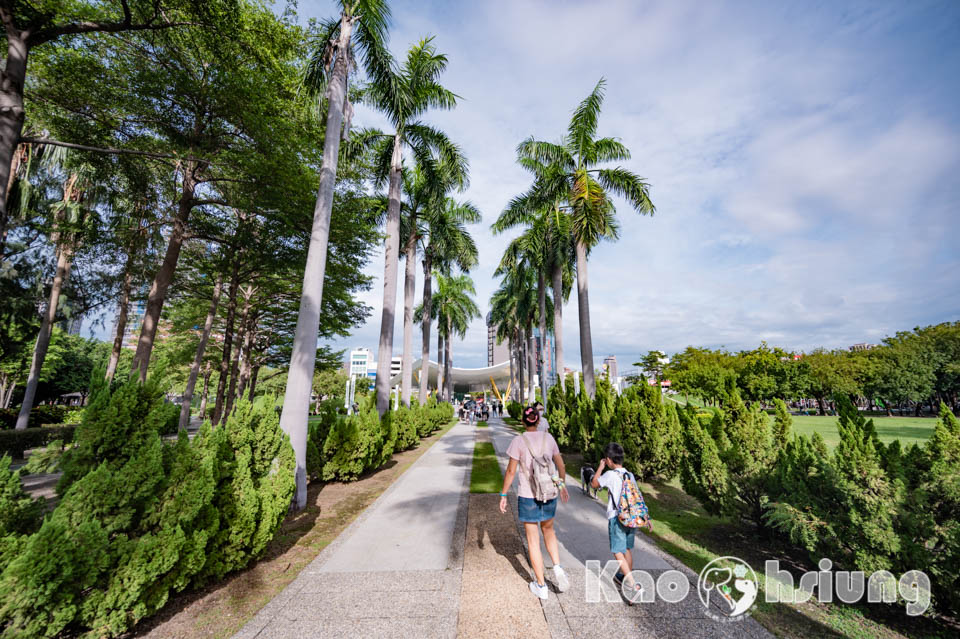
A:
x: 465, y: 380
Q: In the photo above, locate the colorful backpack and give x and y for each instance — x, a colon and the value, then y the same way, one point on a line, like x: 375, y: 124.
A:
x: 631, y: 508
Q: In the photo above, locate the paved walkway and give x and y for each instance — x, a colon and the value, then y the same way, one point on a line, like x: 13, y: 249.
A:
x: 396, y: 570
x: 581, y: 526
x: 399, y: 569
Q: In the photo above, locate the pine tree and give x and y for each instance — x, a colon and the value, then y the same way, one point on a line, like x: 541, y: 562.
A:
x: 782, y: 423
x: 558, y: 416
x: 702, y: 473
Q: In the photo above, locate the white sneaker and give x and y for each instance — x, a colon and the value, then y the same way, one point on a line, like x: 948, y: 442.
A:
x: 538, y: 590
x: 560, y: 578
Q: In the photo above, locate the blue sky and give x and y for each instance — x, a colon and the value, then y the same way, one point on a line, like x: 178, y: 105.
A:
x: 803, y: 160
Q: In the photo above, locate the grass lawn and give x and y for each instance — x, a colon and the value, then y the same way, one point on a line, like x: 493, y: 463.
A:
x: 909, y: 430
x: 485, y: 476
x: 683, y: 529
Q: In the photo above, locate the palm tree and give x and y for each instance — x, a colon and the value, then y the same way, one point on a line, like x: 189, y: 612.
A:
x: 403, y: 96
x: 455, y: 309
x: 448, y: 244
x: 425, y: 191
x: 548, y: 241
x: 569, y: 172
x: 71, y: 215
x: 362, y: 26
x: 519, y: 287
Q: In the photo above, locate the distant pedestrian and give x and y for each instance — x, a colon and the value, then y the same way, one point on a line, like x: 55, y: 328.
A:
x: 626, y: 511
x: 544, y: 425
x: 541, y: 481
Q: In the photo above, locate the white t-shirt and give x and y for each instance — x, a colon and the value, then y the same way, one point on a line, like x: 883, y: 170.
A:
x: 612, y: 480
x: 543, y: 425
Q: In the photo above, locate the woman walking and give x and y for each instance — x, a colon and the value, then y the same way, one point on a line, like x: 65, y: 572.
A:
x: 541, y: 478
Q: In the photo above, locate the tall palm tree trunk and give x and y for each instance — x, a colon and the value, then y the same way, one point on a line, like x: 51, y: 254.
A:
x: 448, y: 361
x: 164, y: 276
x: 510, y: 358
x: 64, y: 262
x: 409, y: 286
x: 198, y: 357
x: 541, y: 352
x: 303, y: 357
x: 425, y: 330
x: 583, y: 305
x: 558, y: 321
x: 532, y: 364
x: 391, y: 261
x: 440, y: 353
x: 521, y: 366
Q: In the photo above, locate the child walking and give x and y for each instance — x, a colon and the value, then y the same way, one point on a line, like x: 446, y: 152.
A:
x: 626, y: 512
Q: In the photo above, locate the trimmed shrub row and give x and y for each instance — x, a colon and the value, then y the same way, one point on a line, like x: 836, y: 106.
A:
x: 39, y: 415
x: 866, y: 506
x: 139, y: 518
x: 342, y: 448
x: 15, y: 442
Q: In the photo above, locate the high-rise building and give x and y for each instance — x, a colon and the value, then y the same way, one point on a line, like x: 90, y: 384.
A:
x: 549, y: 371
x: 496, y: 353
x: 610, y: 366
x: 396, y: 364
x: 131, y: 331
x: 361, y: 362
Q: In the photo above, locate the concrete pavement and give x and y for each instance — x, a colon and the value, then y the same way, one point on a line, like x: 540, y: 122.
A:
x: 581, y: 527
x: 395, y: 571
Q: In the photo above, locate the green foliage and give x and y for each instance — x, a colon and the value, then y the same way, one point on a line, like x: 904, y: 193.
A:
x: 353, y: 446
x: 930, y: 520
x: 15, y: 442
x: 558, y: 417
x: 46, y: 460
x: 170, y: 414
x: 140, y: 519
x: 39, y: 416
x: 782, y: 423
x: 514, y: 409
x: 20, y: 514
x: 600, y: 428
x: 116, y: 426
x: 702, y: 473
x: 254, y: 486
x: 651, y: 432
x: 405, y: 421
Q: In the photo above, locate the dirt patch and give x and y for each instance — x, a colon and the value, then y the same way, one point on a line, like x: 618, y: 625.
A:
x: 495, y: 600
x: 222, y: 609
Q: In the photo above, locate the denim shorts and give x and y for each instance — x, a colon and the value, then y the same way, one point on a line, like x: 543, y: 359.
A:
x: 530, y: 510
x: 621, y: 537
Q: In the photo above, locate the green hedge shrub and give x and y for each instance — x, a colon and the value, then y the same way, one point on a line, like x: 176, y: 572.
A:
x: 140, y: 519
x: 354, y: 445
x: 405, y: 421
x: 514, y: 409
x: 20, y: 514
x: 16, y: 442
x: 557, y: 416
x: 38, y: 416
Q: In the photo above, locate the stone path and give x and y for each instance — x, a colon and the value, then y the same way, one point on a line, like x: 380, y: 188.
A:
x: 581, y: 526
x: 396, y: 570
x: 428, y: 560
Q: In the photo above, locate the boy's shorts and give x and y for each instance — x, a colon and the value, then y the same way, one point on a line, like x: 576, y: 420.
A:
x: 621, y: 537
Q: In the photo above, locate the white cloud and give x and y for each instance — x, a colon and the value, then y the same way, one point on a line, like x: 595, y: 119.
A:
x: 803, y: 170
